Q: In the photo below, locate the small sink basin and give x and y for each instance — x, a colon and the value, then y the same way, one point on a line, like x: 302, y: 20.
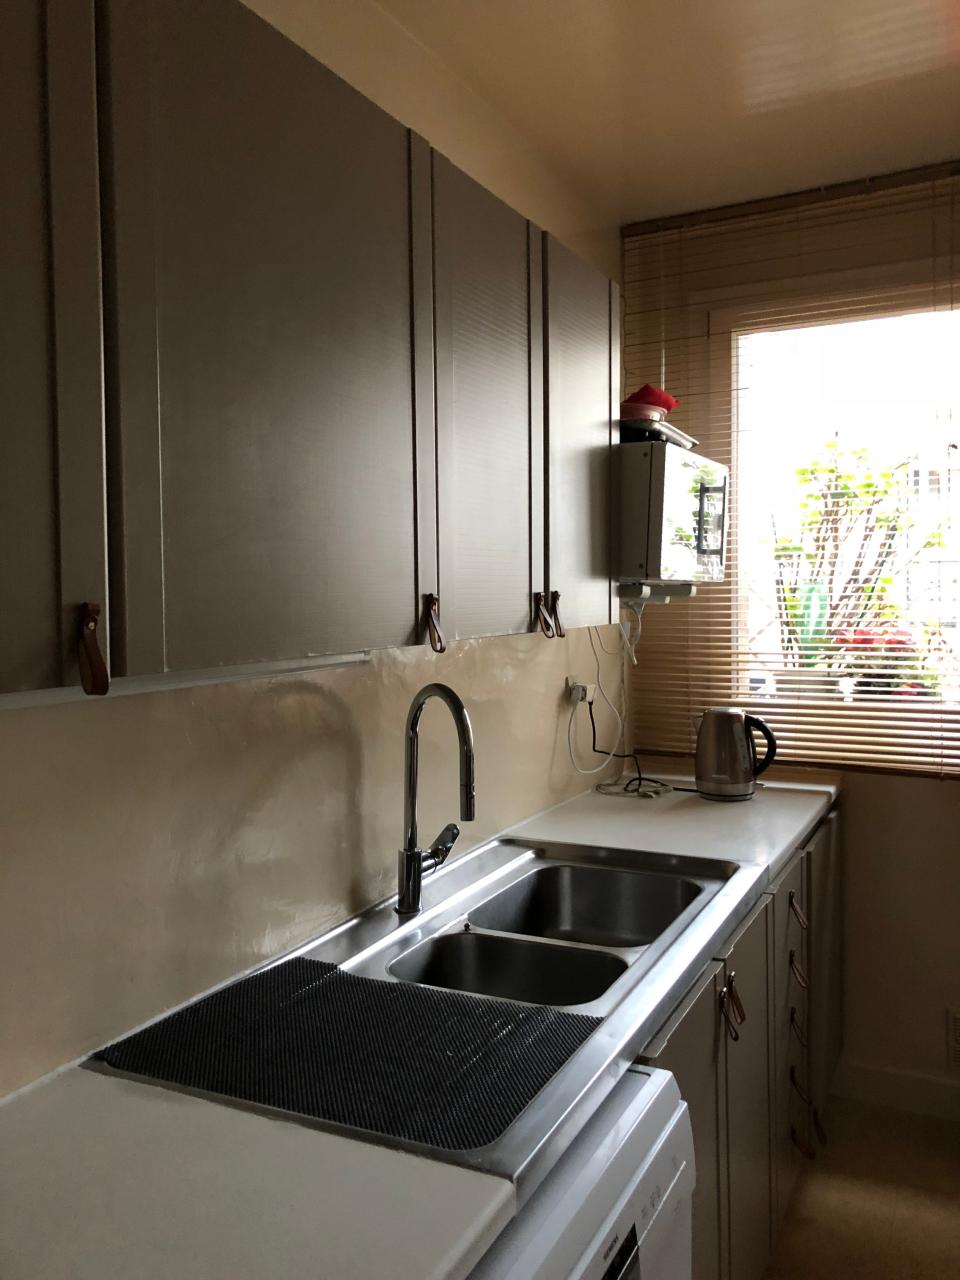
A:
x: 598, y: 905
x: 511, y: 968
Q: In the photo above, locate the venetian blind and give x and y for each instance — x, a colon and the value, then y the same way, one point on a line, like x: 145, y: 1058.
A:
x: 816, y: 351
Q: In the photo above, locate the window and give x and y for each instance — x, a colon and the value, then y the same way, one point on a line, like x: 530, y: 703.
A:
x: 817, y: 352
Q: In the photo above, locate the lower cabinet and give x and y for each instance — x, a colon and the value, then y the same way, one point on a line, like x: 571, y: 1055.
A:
x: 791, y: 1028
x: 717, y: 1044
x: 745, y: 1009
x: 754, y: 1046
x: 691, y: 1045
x: 824, y: 901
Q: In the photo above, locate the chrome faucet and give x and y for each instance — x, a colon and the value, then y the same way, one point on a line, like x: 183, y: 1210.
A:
x: 413, y: 862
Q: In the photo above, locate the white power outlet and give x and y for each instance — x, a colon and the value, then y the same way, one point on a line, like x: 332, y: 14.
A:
x: 953, y: 1041
x: 580, y: 691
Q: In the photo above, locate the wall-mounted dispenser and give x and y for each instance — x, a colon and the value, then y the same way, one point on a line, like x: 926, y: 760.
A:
x: 673, y: 514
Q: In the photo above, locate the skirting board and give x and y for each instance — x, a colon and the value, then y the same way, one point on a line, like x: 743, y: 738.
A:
x: 901, y: 1090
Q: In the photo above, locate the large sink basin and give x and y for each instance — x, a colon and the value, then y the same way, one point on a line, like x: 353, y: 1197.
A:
x: 602, y: 906
x: 510, y: 968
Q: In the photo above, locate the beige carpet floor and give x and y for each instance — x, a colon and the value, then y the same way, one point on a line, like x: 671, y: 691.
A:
x: 881, y: 1201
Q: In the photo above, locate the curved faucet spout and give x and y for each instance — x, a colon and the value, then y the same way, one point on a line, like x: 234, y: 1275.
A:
x: 413, y: 860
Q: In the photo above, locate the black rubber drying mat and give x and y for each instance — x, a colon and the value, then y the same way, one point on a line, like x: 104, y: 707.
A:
x: 434, y: 1067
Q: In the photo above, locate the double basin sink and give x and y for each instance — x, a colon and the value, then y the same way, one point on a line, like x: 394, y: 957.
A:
x: 615, y: 934
x: 561, y: 926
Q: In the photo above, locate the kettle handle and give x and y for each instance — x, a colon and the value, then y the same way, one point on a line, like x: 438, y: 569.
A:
x: 754, y: 722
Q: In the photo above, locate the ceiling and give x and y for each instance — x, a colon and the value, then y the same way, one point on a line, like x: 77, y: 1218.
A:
x: 666, y: 106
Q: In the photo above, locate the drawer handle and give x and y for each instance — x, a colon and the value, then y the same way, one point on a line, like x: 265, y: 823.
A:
x: 796, y: 1027
x: 731, y: 1026
x: 797, y: 971
x: 802, y: 1145
x: 431, y: 607
x: 94, y: 678
x: 801, y: 1092
x: 555, y: 614
x: 797, y: 910
x: 739, y: 1012
x: 541, y: 616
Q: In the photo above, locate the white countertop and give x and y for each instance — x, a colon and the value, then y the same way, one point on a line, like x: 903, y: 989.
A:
x: 766, y: 829
x: 101, y: 1176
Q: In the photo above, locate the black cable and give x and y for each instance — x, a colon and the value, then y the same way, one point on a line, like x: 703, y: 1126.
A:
x: 634, y: 784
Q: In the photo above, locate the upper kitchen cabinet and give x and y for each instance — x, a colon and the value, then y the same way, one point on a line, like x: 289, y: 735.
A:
x: 582, y: 383
x: 489, y: 352
x: 52, y: 517
x: 261, y: 388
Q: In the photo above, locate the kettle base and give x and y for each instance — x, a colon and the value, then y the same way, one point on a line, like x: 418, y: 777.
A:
x: 726, y: 797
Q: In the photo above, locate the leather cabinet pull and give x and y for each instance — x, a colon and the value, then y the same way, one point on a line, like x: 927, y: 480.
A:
x: 739, y: 1012
x: 731, y: 1026
x: 94, y: 678
x: 541, y: 616
x: 431, y: 608
x: 797, y: 970
x: 797, y: 910
x: 555, y: 613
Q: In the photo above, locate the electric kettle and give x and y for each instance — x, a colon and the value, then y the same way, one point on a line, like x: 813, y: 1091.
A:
x: 726, y: 761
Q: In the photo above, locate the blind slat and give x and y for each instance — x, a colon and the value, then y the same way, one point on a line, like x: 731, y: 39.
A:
x: 843, y: 635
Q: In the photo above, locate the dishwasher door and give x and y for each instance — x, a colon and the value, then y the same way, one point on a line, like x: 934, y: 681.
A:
x: 618, y: 1204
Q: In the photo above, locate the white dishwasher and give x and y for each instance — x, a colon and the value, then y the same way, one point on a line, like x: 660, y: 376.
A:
x: 618, y: 1204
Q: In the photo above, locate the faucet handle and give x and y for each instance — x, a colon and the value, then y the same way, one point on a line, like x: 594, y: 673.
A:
x: 448, y: 837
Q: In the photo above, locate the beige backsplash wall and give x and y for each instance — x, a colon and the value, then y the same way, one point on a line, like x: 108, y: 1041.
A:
x: 154, y: 845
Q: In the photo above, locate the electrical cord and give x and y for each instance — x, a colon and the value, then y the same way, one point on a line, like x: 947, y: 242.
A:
x: 633, y: 782
x: 609, y: 755
x: 603, y: 693
x: 570, y: 750
x: 645, y: 788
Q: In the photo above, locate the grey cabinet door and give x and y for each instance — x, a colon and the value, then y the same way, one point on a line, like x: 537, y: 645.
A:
x: 790, y: 1030
x: 261, y: 312
x: 52, y: 516
x: 488, y: 326
x: 748, y: 1101
x: 582, y: 380
x: 824, y: 900
x: 691, y: 1046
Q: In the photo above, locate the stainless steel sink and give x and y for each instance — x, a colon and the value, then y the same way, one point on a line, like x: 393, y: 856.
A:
x: 601, y: 906
x: 510, y: 968
x: 511, y: 883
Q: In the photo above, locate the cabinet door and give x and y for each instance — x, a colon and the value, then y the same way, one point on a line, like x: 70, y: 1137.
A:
x: 262, y: 423
x: 748, y: 1100
x: 581, y: 351
x: 52, y: 517
x: 691, y: 1046
x: 485, y: 314
x: 825, y: 909
x: 790, y: 1030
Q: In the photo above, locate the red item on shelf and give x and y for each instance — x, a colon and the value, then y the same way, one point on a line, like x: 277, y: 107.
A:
x: 653, y: 395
